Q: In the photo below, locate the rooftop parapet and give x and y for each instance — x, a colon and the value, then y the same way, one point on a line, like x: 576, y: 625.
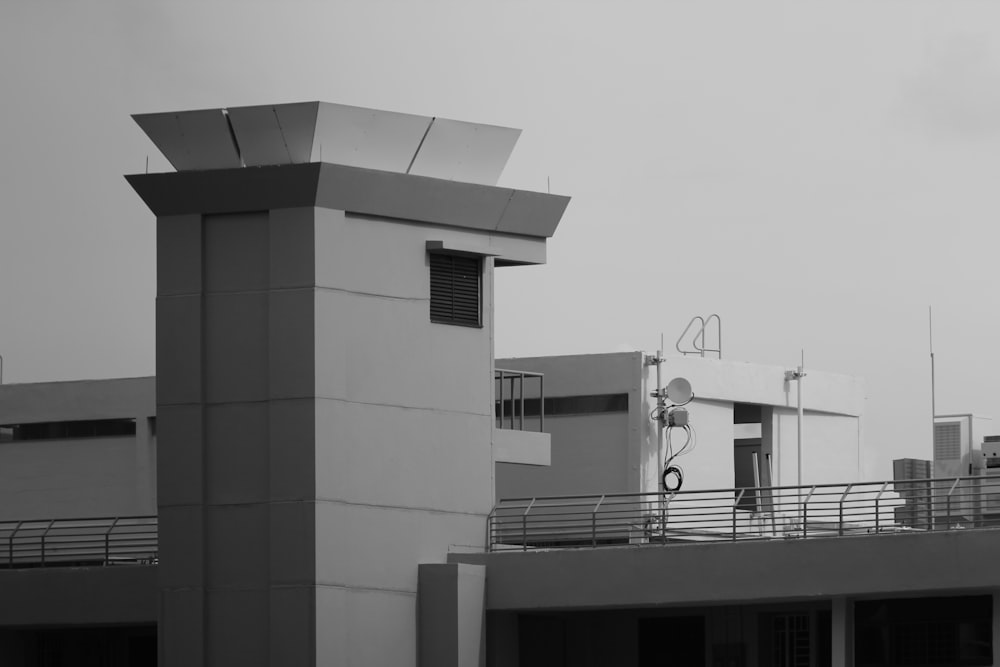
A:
x: 298, y: 133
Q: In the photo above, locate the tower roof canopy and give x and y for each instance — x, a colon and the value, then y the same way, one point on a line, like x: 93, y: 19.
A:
x: 281, y: 134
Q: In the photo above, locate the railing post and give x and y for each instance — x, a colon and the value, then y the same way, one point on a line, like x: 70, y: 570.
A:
x: 541, y: 404
x: 524, y: 526
x: 840, y: 526
x: 512, y: 402
x: 522, y: 401
x: 805, y: 510
x: 10, y: 545
x: 735, y: 504
x: 948, y: 505
x: 593, y: 522
x: 44, y: 534
x: 107, y: 540
x: 878, y: 511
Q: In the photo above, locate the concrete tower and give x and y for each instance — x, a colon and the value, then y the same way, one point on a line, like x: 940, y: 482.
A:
x: 324, y: 371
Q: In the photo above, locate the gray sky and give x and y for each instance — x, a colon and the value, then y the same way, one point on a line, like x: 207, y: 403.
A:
x: 817, y: 173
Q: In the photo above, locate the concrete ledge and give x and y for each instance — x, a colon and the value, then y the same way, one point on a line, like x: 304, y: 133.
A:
x: 125, y: 594
x: 685, y: 574
x: 355, y: 190
x: 526, y: 447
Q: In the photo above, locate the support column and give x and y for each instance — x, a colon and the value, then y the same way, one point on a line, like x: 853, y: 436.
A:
x: 842, y: 632
x: 451, y: 615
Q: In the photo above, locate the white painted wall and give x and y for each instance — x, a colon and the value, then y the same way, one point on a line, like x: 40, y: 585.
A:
x: 831, y: 448
x: 833, y: 442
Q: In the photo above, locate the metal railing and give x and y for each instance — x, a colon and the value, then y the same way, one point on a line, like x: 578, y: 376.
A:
x: 761, y: 513
x: 127, y: 540
x: 511, y: 403
x: 698, y: 341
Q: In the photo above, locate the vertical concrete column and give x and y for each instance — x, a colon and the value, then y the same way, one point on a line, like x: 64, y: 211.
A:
x: 236, y: 482
x: 180, y: 435
x: 451, y: 615
x: 842, y: 632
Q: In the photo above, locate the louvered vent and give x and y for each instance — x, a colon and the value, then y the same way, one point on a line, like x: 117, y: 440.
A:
x: 455, y: 289
x: 947, y: 441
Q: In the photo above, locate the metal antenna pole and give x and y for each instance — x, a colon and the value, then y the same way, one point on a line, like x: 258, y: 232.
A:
x: 799, y: 375
x: 930, y: 328
x: 660, y: 405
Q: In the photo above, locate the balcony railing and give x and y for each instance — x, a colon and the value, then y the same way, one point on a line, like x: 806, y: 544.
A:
x: 762, y: 513
x: 512, y: 404
x: 131, y: 540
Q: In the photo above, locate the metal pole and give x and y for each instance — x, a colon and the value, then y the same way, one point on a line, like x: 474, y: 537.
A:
x: 500, y: 425
x: 1, y: 369
x: 659, y: 422
x: 930, y: 327
x: 800, y: 375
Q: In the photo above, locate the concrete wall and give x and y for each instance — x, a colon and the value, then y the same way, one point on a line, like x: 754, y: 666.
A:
x: 831, y: 448
x: 80, y: 477
x: 123, y: 594
x: 236, y: 421
x: 321, y: 436
x: 745, y: 571
x: 611, y: 454
x: 591, y: 453
x: 77, y: 400
x: 403, y: 422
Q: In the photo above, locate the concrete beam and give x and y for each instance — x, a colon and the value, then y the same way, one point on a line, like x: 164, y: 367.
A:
x: 772, y: 570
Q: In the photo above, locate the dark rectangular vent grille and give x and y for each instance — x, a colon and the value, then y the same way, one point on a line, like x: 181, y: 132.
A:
x: 455, y: 289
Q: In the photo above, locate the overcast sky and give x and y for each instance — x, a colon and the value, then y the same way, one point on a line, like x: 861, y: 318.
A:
x: 817, y: 173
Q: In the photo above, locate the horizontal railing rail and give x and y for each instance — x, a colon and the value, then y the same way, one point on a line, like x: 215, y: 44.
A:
x: 756, y: 513
x: 91, y: 541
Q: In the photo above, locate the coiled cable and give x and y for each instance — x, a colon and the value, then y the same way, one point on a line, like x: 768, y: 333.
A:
x: 675, y: 471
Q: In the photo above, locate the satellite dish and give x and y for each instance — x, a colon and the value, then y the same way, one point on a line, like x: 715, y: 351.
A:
x: 679, y: 391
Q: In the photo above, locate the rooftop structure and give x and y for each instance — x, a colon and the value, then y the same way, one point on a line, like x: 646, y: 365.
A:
x: 345, y: 475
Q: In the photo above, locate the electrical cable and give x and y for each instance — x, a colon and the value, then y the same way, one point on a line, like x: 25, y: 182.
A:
x: 676, y: 471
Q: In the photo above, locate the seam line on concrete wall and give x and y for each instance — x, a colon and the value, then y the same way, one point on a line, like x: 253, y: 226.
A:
x: 406, y: 407
x: 372, y: 294
x: 339, y: 501
x: 504, y: 211
x: 368, y: 589
x: 332, y: 501
x: 298, y: 288
x: 325, y: 398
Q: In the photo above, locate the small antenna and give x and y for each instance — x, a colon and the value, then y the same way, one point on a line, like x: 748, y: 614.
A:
x: 147, y: 164
x: 930, y: 339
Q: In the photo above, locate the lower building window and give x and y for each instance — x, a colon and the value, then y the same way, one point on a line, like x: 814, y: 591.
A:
x: 924, y: 631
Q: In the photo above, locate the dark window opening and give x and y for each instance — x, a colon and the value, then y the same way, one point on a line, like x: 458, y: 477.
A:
x: 565, y: 405
x: 67, y: 430
x: 924, y: 631
x: 456, y: 289
x: 675, y: 640
x: 746, y: 413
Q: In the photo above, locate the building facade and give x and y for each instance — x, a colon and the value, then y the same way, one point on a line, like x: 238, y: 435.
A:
x: 329, y: 434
